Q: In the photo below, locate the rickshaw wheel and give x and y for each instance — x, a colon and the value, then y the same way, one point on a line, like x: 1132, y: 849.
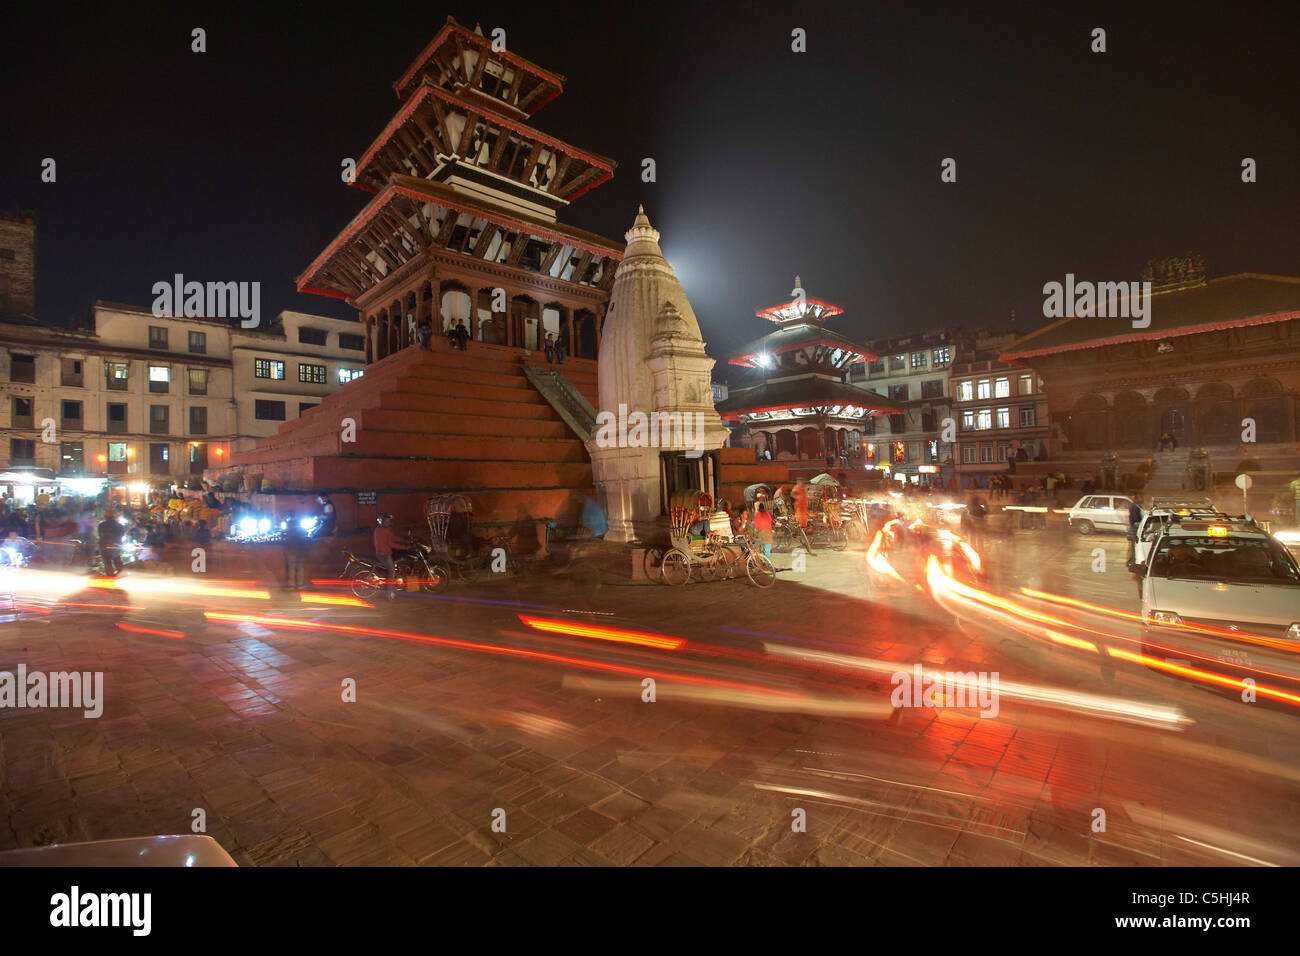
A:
x: 651, y: 561
x: 759, y: 570
x: 838, y: 539
x: 676, y: 567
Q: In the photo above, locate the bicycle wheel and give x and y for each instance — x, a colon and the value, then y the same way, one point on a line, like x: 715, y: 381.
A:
x: 651, y: 562
x: 759, y: 570
x: 838, y: 539
x: 676, y: 567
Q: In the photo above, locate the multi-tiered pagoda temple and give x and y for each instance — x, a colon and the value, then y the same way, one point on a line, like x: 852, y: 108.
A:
x: 794, y: 399
x: 462, y: 226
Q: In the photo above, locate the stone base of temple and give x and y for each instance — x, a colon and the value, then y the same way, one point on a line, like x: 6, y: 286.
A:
x: 420, y: 423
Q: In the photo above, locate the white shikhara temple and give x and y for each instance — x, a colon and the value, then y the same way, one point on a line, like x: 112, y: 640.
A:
x: 652, y: 360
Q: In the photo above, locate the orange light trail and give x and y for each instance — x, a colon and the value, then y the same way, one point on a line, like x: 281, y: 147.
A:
x: 134, y: 629
x: 939, y: 580
x: 1208, y: 677
x: 1245, y: 637
x: 603, y: 633
x: 293, y: 624
x: 166, y: 587
x: 312, y: 597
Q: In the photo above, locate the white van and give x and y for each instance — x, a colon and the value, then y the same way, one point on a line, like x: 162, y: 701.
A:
x: 1100, y: 513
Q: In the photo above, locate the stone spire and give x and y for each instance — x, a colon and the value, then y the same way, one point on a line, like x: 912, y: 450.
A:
x: 652, y: 362
x: 643, y: 283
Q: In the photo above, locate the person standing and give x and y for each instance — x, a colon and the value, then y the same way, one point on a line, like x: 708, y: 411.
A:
x: 1135, y: 516
x: 328, y: 518
x: 562, y: 343
x: 762, y: 523
x: 549, y: 347
x: 424, y: 333
x: 296, y: 545
x: 385, y: 542
x: 800, y: 495
x: 461, y: 336
x: 110, y: 543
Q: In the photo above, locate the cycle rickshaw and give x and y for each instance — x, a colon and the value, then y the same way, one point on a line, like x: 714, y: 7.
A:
x: 701, y: 545
x: 453, y: 542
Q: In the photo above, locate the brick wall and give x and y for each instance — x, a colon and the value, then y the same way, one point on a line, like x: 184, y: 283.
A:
x: 17, y: 266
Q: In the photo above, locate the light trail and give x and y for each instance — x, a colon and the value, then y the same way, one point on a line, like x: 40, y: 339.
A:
x: 292, y: 624
x: 597, y: 632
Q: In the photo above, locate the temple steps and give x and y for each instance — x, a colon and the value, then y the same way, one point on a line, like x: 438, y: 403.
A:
x: 431, y: 422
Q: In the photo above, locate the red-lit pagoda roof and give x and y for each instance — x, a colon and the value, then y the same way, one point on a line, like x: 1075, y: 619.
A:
x: 342, y: 270
x: 543, y: 87
x: 423, y: 115
x: 807, y: 308
x: 795, y: 337
x: 791, y: 394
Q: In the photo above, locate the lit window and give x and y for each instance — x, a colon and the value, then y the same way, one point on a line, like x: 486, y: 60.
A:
x: 348, y: 374
x: 965, y: 391
x: 268, y: 368
x: 115, y: 375
x: 984, y: 419
x: 160, y: 377
x: 918, y: 360
x: 117, y: 451
x: 198, y: 381
x: 967, y: 420
x: 985, y: 389
x: 314, y: 374
x: 1002, y: 388
x: 942, y: 356
x: 1004, y: 418
x: 1026, y: 385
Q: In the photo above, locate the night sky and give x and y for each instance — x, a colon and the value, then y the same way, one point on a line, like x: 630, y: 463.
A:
x: 226, y: 165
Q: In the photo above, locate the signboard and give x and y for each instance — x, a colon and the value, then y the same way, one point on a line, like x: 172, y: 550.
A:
x: 367, y: 497
x: 1244, y: 482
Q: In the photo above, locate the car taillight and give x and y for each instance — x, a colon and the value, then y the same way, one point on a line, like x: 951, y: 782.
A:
x: 1164, y: 617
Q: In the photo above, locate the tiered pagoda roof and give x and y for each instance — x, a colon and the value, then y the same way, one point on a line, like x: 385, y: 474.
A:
x: 799, y: 369
x: 458, y: 176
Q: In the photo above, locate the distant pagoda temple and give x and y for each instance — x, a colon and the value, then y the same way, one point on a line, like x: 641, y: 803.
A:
x: 462, y: 224
x: 794, y: 400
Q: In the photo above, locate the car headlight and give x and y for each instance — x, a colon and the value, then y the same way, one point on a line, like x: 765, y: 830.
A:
x: 1164, y: 617
x: 1293, y: 632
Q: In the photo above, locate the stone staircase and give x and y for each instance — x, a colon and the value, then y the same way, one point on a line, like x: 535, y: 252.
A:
x: 1168, y: 471
x: 431, y: 422
x: 565, y: 397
